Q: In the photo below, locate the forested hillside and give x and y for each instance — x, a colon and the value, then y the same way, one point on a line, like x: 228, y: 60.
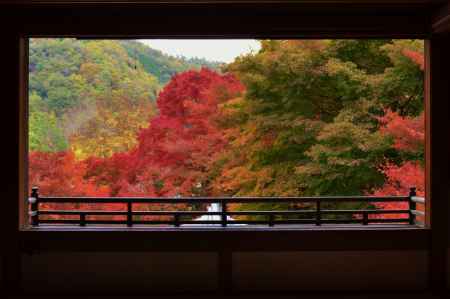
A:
x: 298, y: 118
x: 163, y: 66
x: 92, y: 97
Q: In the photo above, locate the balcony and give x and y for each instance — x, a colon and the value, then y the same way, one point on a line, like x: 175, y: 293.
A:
x: 313, y: 211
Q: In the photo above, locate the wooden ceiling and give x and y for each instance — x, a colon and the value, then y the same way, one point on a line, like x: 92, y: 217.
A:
x: 284, y: 18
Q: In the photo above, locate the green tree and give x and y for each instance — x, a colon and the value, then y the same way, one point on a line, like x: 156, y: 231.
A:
x: 368, y: 55
x: 345, y: 159
x: 401, y: 87
x: 44, y: 134
x: 72, y: 79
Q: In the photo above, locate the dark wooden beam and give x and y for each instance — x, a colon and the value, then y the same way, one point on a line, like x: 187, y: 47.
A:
x: 232, y: 20
x: 252, y: 239
x: 441, y: 19
x: 307, y: 19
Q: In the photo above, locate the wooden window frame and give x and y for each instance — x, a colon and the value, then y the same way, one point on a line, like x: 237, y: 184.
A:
x: 327, y: 19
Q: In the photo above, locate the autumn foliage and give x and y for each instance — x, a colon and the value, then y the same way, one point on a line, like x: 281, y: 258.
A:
x: 298, y: 118
x: 409, y: 137
x: 175, y: 151
x: 172, y: 155
x: 59, y: 174
x: 408, y: 132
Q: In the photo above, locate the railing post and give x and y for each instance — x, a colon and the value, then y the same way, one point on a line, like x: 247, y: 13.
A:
x: 34, y: 206
x: 271, y: 220
x: 82, y: 219
x: 176, y: 219
x: 129, y: 213
x: 365, y: 218
x: 412, y: 206
x: 318, y: 213
x: 224, y: 213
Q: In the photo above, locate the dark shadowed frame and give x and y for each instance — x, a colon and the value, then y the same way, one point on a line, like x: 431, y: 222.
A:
x: 423, y: 19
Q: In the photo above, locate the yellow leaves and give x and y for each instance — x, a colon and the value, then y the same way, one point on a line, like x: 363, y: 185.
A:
x: 339, y: 130
x: 90, y: 71
x: 232, y: 106
x: 309, y: 169
x: 243, y: 181
x: 335, y: 67
x: 246, y: 136
x: 233, y: 179
x: 376, y: 140
x: 113, y: 129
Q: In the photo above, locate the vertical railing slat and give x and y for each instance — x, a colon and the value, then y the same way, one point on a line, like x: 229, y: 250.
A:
x: 129, y: 213
x: 176, y: 217
x: 365, y: 218
x: 318, y: 212
x: 34, y: 208
x: 412, y: 206
x: 82, y: 219
x: 224, y: 213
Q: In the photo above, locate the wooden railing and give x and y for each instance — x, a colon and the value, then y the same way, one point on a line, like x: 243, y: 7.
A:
x: 315, y: 213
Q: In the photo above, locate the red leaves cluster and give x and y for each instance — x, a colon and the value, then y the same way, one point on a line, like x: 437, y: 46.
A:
x: 172, y: 154
x: 408, y: 132
x: 399, y: 181
x: 59, y: 174
x: 416, y: 57
x: 409, y: 136
x: 401, y: 178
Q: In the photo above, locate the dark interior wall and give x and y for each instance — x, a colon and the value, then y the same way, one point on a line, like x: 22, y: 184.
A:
x: 385, y: 267
x: 171, y: 272
x: 115, y: 272
x: 330, y: 271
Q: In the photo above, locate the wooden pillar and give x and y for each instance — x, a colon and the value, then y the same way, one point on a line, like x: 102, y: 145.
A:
x: 437, y: 157
x: 11, y: 217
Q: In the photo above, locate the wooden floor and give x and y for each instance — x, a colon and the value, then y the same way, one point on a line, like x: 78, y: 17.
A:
x: 231, y: 227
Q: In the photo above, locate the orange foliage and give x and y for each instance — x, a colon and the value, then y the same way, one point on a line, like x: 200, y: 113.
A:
x: 416, y: 57
x: 59, y: 174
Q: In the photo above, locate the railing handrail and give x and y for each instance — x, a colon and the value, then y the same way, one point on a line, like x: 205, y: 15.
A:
x: 418, y: 199
x: 290, y: 199
x: 316, y: 212
x: 235, y: 213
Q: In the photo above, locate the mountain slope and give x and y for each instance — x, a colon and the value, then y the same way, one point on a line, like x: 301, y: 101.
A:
x: 93, y: 96
x: 161, y: 65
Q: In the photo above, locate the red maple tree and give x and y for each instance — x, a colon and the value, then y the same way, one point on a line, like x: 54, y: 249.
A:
x: 174, y: 152
x: 171, y: 158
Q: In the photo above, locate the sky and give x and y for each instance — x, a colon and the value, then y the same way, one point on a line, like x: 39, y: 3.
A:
x: 220, y: 50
